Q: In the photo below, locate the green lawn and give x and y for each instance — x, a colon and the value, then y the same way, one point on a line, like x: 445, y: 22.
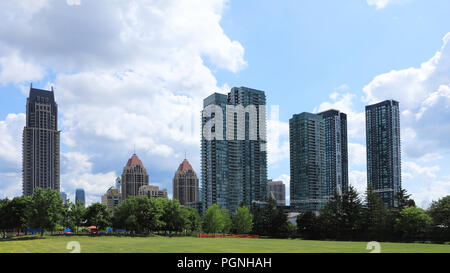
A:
x: 198, y: 245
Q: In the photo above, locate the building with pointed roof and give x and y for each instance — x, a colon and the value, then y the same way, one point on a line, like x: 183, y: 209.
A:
x: 134, y: 176
x: 185, y: 184
x: 40, y: 142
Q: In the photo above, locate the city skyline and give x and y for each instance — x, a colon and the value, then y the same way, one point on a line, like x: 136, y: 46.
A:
x: 113, y: 97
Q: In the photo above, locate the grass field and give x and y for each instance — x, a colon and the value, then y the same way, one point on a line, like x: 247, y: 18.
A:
x: 55, y: 244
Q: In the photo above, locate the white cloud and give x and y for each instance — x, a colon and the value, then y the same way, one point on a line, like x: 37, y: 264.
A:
x: 11, y: 141
x: 378, y: 3
x: 358, y: 179
x: 13, y: 69
x: 424, y: 96
x: 277, y: 138
x: 78, y: 174
x: 356, y: 154
x: 413, y: 170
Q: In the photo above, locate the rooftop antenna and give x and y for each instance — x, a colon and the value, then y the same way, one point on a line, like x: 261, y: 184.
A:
x: 31, y: 85
x: 134, y: 149
x: 185, y: 155
x: 52, y: 88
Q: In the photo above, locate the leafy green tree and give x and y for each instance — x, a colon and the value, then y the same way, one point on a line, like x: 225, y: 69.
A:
x: 45, y: 209
x: 413, y: 223
x: 213, y: 221
x: 242, y: 220
x: 191, y: 219
x: 97, y: 215
x: 227, y: 223
x: 440, y: 212
x: 172, y: 215
x: 76, y: 213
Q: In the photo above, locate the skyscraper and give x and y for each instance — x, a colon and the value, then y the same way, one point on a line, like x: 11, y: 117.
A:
x: 79, y: 196
x: 40, y: 142
x: 308, y: 189
x: 185, y: 184
x: 383, y: 150
x: 234, y: 157
x: 277, y: 191
x: 63, y: 197
x: 133, y: 177
x: 336, y: 152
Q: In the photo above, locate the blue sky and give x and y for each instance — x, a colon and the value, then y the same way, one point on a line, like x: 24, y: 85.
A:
x: 135, y: 74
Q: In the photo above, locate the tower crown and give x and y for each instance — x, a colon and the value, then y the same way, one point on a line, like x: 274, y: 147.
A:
x: 133, y: 161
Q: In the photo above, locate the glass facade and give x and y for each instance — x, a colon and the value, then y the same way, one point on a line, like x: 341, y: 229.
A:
x: 336, y: 152
x: 383, y: 150
x: 234, y: 157
x: 308, y: 187
x: 79, y: 196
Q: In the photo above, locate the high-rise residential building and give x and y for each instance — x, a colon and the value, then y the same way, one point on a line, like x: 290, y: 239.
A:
x: 63, y: 197
x: 233, y: 149
x: 336, y: 152
x: 185, y: 184
x: 112, y: 198
x: 40, y: 142
x: 152, y: 191
x: 383, y: 150
x: 277, y: 191
x: 80, y: 196
x: 308, y: 189
x: 134, y: 176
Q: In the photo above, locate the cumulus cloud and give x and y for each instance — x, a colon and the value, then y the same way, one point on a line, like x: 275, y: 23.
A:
x: 126, y: 74
x: 378, y: 3
x: 11, y: 141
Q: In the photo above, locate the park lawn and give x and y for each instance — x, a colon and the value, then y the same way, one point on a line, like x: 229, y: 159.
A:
x: 106, y: 244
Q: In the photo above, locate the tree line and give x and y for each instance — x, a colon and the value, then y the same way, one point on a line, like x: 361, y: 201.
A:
x: 347, y: 217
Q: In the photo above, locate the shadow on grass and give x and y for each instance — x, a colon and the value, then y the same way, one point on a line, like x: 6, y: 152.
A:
x: 21, y: 238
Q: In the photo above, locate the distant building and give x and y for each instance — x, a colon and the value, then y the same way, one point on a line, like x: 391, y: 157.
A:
x: 308, y: 189
x: 134, y: 176
x: 40, y: 142
x: 119, y: 184
x: 80, y: 196
x: 384, y: 150
x: 185, y: 184
x: 152, y: 191
x: 277, y: 191
x: 112, y: 198
x: 64, y: 197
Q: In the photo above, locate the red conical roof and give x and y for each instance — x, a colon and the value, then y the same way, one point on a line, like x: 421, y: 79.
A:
x: 133, y: 161
x: 185, y: 166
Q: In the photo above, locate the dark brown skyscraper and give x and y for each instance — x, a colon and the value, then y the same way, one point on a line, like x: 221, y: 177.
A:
x: 185, y: 184
x: 40, y: 158
x: 133, y: 177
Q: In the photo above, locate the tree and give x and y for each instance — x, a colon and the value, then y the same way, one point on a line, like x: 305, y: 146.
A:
x: 440, y: 212
x: 191, y: 219
x: 97, y: 215
x: 77, y: 211
x: 375, y: 217
x: 404, y: 199
x: 227, y: 223
x: 242, y: 220
x: 172, y: 215
x: 331, y: 218
x: 351, y: 215
x: 213, y: 221
x: 307, y: 225
x: 413, y: 223
x: 45, y: 209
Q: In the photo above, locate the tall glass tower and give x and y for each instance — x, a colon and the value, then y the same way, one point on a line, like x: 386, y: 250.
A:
x: 79, y: 196
x: 40, y: 142
x: 336, y: 152
x: 383, y: 150
x: 234, y: 156
x: 308, y: 187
